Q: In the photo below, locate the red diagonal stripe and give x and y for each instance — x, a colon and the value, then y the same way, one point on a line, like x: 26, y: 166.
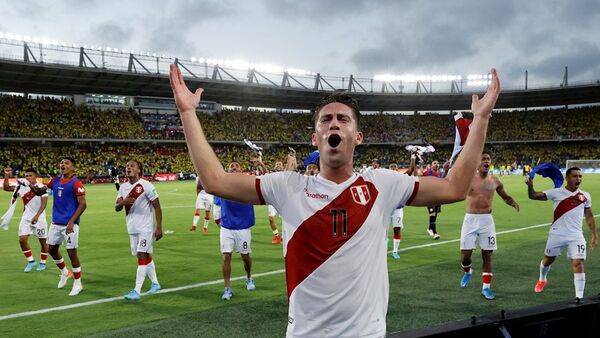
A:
x: 567, y: 205
x: 314, y: 242
x: 135, y: 193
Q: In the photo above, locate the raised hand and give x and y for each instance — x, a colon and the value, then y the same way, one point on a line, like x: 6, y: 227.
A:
x: 8, y: 172
x: 483, y: 107
x: 185, y: 100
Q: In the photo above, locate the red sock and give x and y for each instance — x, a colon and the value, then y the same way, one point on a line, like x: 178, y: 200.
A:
x: 397, y: 236
x: 487, y: 277
x: 218, y: 221
x: 77, y: 272
x: 60, y: 263
x: 43, y: 257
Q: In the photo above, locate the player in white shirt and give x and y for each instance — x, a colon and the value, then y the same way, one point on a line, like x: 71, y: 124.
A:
x: 204, y: 202
x: 33, y: 220
x: 570, y: 206
x: 336, y: 222
x: 140, y: 200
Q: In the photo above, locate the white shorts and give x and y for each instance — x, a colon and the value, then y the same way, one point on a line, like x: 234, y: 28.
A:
x: 478, y: 227
x: 58, y: 234
x: 272, y: 211
x: 204, y: 201
x: 397, y: 218
x: 238, y: 239
x: 216, y: 212
x: 141, y: 242
x: 576, y: 246
x: 40, y: 229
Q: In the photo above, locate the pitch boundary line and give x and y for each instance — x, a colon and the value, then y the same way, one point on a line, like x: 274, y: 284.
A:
x: 218, y: 281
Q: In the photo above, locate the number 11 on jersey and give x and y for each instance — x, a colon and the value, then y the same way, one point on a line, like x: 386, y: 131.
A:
x: 335, y: 216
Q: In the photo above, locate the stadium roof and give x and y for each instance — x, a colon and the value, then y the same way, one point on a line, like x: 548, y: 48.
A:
x: 59, y: 79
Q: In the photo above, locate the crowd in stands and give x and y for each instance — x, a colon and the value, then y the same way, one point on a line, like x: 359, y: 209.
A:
x: 94, y: 159
x: 56, y: 118
x: 385, y: 136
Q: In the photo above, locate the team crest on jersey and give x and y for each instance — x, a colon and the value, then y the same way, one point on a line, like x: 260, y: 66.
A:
x: 581, y: 197
x: 360, y: 194
x: 138, y: 189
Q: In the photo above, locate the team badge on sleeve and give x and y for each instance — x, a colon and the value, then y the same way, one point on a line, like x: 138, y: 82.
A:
x: 360, y: 194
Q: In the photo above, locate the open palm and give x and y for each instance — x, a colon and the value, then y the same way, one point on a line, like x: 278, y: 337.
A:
x: 184, y: 98
x: 483, y: 107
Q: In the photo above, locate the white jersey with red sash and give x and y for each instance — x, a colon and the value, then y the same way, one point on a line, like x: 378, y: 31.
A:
x: 568, y: 210
x: 335, y: 248
x: 140, y: 215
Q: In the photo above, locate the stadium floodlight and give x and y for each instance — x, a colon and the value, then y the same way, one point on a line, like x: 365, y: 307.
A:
x: 193, y: 59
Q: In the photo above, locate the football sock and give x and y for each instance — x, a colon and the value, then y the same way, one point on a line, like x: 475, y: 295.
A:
x: 60, y: 263
x: 467, y: 268
x: 196, y: 219
x: 544, y: 271
x: 432, y: 226
x: 141, y: 274
x: 77, y: 273
x: 487, y: 279
x: 28, y: 255
x: 397, y: 239
x: 579, y: 280
x: 151, y: 270
x: 43, y: 257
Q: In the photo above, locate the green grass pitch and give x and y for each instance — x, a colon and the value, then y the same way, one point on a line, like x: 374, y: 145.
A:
x: 424, y: 283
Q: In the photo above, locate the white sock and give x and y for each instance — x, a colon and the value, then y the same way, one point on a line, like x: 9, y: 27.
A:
x: 195, y: 221
x: 151, y: 272
x: 275, y: 232
x: 139, y: 277
x: 544, y: 271
x: 396, y: 245
x: 579, y: 280
x: 206, y: 223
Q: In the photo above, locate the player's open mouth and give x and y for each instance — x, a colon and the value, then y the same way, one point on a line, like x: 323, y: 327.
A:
x: 334, y: 140
x: 486, y: 166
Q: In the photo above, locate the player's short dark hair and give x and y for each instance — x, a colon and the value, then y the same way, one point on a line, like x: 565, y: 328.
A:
x: 571, y: 170
x: 140, y: 166
x: 31, y: 170
x: 70, y: 159
x: 342, y: 98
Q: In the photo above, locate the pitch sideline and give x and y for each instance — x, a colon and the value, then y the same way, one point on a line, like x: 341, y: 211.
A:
x: 197, y: 285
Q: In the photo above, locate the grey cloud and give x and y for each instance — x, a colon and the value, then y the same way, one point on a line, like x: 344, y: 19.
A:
x: 110, y: 33
x: 317, y: 10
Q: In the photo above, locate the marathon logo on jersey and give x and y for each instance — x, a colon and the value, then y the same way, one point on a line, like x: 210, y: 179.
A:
x: 315, y: 195
x: 360, y: 194
x: 60, y: 191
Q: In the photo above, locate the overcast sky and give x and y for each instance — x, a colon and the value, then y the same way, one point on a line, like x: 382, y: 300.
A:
x: 338, y: 37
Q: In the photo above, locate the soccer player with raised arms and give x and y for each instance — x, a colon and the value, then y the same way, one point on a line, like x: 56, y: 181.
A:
x: 335, y: 255
x: 140, y: 200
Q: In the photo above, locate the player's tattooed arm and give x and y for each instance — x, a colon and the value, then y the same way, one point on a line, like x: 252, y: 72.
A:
x: 39, y: 191
x: 534, y: 195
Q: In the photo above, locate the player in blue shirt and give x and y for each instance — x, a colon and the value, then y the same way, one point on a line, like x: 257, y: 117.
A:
x: 67, y: 206
x: 236, y: 221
